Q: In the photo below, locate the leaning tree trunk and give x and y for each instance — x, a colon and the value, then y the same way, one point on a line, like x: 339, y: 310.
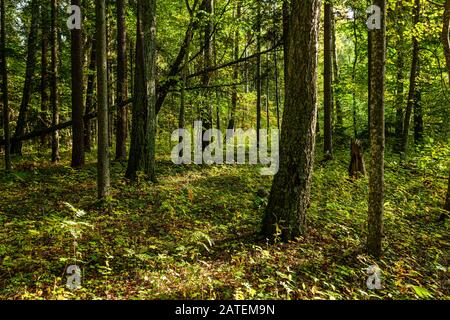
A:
x: 4, y: 72
x: 77, y: 97
x: 103, y: 178
x: 122, y: 90
x: 412, y: 82
x: 16, y: 147
x: 377, y: 135
x: 285, y: 215
x: 328, y: 82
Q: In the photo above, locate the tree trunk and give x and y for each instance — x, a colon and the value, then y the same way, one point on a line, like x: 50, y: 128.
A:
x: 412, y: 82
x: 285, y: 215
x: 122, y: 90
x: 258, y: 72
x: 377, y: 135
x: 5, y: 87
x: 446, y: 43
x: 16, y: 147
x: 357, y: 163
x: 355, y: 63
x: 149, y: 35
x: 103, y: 178
x: 447, y: 199
x: 400, y: 64
x: 328, y: 82
x: 89, y: 99
x: 234, y: 95
x: 136, y: 159
x: 54, y: 79
x: 418, y: 117
x: 44, y: 70
x: 336, y: 81
x: 77, y: 97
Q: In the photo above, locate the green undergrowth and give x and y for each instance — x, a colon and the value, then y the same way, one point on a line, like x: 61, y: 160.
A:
x: 194, y: 234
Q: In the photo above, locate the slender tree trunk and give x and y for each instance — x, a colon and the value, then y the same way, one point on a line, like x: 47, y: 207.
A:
x: 16, y: 147
x: 400, y: 64
x: 336, y: 81
x: 5, y: 87
x: 234, y: 95
x: 149, y: 34
x: 289, y: 198
x: 89, y: 99
x: 445, y: 35
x: 103, y: 178
x: 258, y: 72
x: 328, y: 81
x: 54, y: 79
x: 77, y: 97
x: 446, y: 43
x: 44, y: 70
x: 267, y: 100
x: 412, y: 82
x: 355, y: 63
x: 418, y: 117
x: 377, y: 135
x: 122, y: 90
x: 205, y: 110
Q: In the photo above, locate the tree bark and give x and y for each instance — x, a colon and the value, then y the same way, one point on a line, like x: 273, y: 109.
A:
x: 336, y: 81
x: 44, y: 70
x: 258, y: 72
x: 16, y: 147
x: 285, y: 215
x: 328, y: 81
x: 89, y: 99
x: 149, y: 35
x: 122, y: 90
x: 412, y: 82
x: 400, y: 64
x: 5, y: 87
x: 103, y: 175
x: 54, y: 103
x: 77, y: 96
x: 234, y: 95
x: 377, y: 135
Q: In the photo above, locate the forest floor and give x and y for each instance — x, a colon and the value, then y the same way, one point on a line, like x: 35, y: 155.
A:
x: 194, y: 235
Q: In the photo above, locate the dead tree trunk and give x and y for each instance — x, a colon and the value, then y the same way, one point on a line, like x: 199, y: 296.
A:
x: 357, y: 164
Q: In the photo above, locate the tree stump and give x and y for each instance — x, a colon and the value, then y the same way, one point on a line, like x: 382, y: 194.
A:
x: 357, y: 165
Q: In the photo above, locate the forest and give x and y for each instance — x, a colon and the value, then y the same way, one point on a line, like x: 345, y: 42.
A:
x: 224, y: 149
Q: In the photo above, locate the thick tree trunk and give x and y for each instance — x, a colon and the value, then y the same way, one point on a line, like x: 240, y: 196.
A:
x: 5, y: 101
x: 285, y: 215
x: 16, y: 147
x: 328, y: 81
x: 136, y: 159
x: 377, y: 135
x: 412, y: 82
x: 54, y: 79
x: 357, y: 163
x: 103, y: 177
x: 122, y: 90
x: 77, y: 97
